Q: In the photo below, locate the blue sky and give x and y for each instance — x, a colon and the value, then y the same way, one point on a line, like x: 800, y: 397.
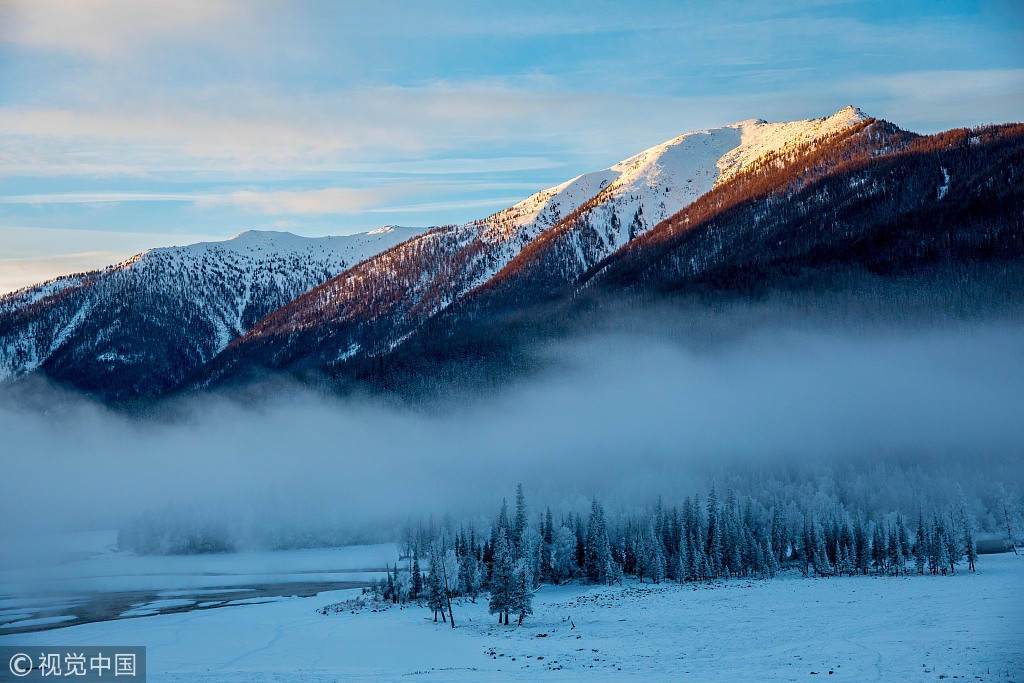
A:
x: 126, y: 124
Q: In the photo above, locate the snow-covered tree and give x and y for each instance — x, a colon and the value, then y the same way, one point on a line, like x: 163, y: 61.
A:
x: 970, y: 547
x: 519, y: 526
x: 1007, y: 511
x: 470, y: 578
x: 563, y: 554
x: 502, y: 579
x: 599, y: 565
x: 416, y: 584
x: 521, y: 597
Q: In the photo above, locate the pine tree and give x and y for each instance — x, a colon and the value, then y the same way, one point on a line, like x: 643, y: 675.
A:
x: 435, y: 589
x: 941, y: 545
x: 519, y: 527
x: 522, y: 592
x: 953, y: 545
x: 970, y: 548
x: 1007, y: 512
x: 861, y: 545
x: 563, y: 554
x: 417, y: 578
x: 503, y: 524
x: 879, y: 543
x: 819, y: 555
x: 920, y: 544
x: 547, y: 547
x: 469, y: 576
x: 599, y: 564
x: 894, y: 553
x: 713, y: 547
x: 581, y: 543
x: 501, y: 579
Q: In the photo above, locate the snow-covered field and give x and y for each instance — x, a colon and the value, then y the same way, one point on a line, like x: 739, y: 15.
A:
x: 966, y: 627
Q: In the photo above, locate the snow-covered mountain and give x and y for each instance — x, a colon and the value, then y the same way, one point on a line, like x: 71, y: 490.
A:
x: 371, y: 308
x: 139, y: 327
x: 726, y: 208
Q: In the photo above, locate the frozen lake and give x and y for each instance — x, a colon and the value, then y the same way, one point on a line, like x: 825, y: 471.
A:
x: 80, y: 578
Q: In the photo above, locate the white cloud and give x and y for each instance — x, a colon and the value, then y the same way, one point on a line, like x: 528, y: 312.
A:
x: 34, y: 254
x: 106, y: 29
x: 16, y: 273
x: 334, y: 200
x: 932, y: 99
x: 97, y: 198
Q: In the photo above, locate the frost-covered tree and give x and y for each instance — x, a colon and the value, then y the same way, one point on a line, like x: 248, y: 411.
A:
x: 920, y: 544
x: 502, y: 579
x: 435, y: 588
x: 970, y: 546
x: 445, y: 565
x: 521, y: 597
x: 469, y: 576
x: 563, y: 555
x: 519, y: 526
x: 879, y: 543
x: 599, y: 564
x: 403, y: 586
x: 1007, y: 512
x: 416, y: 585
x: 861, y: 547
x: 649, y: 551
x: 502, y: 525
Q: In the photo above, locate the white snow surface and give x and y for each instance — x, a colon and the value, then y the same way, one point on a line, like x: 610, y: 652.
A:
x: 917, y: 628
x: 224, y: 281
x: 634, y: 195
x: 260, y: 244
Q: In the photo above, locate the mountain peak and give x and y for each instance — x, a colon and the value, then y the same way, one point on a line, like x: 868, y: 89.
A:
x: 254, y: 234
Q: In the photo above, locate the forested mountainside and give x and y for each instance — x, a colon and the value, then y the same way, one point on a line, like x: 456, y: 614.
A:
x: 951, y: 199
x: 137, y: 328
x: 371, y: 309
x: 909, y: 217
x: 733, y: 211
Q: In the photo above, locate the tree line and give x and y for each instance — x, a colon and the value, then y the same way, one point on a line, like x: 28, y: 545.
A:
x: 696, y: 540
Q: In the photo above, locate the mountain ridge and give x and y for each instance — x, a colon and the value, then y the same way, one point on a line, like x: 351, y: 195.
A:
x: 730, y: 201
x: 343, y: 317
x: 171, y: 308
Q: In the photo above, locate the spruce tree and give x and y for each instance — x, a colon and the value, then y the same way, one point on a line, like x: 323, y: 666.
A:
x: 599, y: 564
x: 920, y: 544
x: 417, y: 577
x: 521, y: 598
x: 519, y: 527
x: 501, y: 584
x: 970, y: 548
x: 435, y: 588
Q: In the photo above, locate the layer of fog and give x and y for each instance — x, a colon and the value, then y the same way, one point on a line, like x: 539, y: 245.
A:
x: 631, y: 412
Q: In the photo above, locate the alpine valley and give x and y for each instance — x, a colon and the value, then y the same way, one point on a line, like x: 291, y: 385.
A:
x: 845, y: 203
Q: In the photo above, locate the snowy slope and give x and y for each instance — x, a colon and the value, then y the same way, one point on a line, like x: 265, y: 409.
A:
x: 375, y: 306
x: 629, y: 198
x: 918, y: 628
x: 659, y: 182
x: 169, y: 308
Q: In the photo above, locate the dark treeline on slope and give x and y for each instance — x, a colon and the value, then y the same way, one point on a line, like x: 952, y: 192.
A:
x: 873, y: 218
x: 695, y: 539
x: 950, y: 201
x: 870, y: 204
x: 138, y: 329
x: 490, y: 353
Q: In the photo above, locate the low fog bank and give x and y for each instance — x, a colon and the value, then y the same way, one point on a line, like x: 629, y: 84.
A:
x: 650, y: 404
